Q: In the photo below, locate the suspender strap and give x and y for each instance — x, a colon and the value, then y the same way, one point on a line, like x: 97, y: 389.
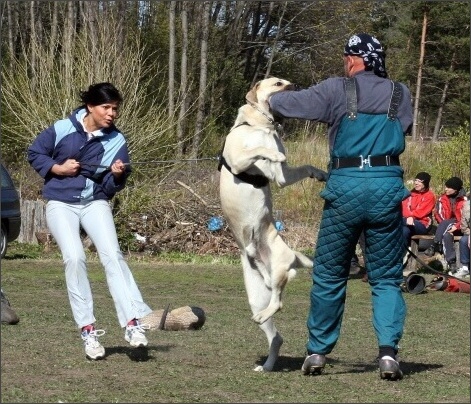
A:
x: 396, y: 98
x: 351, y: 91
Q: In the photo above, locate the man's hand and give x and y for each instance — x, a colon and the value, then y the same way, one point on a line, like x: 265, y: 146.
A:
x: 410, y: 221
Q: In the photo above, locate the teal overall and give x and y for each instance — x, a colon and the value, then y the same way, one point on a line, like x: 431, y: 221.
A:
x: 366, y: 197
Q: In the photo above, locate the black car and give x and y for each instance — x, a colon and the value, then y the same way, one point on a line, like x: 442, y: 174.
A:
x: 11, y: 214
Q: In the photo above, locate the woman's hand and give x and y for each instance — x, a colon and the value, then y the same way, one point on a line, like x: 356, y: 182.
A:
x: 118, y: 168
x: 410, y: 221
x: 452, y: 229
x: 68, y: 168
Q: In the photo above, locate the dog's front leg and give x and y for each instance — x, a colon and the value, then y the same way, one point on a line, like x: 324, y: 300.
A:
x: 243, y: 159
x: 279, y: 280
x: 286, y: 175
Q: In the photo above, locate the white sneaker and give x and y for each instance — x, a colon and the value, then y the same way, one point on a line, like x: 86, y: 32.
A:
x: 461, y: 272
x: 135, y: 335
x: 93, y: 349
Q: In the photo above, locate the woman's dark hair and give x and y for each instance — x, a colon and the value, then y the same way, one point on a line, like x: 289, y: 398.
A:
x: 100, y: 93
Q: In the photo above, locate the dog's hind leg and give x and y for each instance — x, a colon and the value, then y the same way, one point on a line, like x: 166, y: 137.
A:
x: 283, y: 264
x: 259, y: 296
x: 274, y: 344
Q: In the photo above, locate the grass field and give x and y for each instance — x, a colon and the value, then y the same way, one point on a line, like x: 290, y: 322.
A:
x: 43, y: 359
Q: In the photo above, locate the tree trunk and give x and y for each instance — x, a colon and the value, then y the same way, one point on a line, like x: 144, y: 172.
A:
x: 251, y: 38
x: 275, y: 42
x: 90, y: 21
x: 171, y: 61
x: 121, y: 26
x: 33, y: 220
x: 263, y: 45
x: 183, y: 82
x: 419, y: 77
x: 33, y: 44
x: 438, y: 121
x: 12, y: 17
x: 69, y: 30
x: 200, y: 116
x: 53, y: 37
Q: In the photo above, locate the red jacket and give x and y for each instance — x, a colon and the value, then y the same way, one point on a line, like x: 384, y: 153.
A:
x: 449, y: 208
x: 419, y: 205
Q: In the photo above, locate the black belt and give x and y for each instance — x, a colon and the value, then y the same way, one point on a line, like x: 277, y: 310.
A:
x: 360, y: 162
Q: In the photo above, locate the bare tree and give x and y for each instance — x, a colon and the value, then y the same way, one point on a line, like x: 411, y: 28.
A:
x: 419, y: 76
x: 33, y: 42
x: 438, y: 121
x: 183, y: 81
x: 69, y: 35
x: 200, y: 116
x: 171, y: 59
x: 54, y: 33
x: 12, y: 18
x: 121, y: 23
x: 90, y: 17
x: 274, y: 44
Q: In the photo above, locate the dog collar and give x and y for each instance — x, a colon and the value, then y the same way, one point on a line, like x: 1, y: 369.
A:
x: 278, y: 126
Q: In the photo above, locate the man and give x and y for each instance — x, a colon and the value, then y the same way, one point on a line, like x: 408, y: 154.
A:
x: 368, y: 116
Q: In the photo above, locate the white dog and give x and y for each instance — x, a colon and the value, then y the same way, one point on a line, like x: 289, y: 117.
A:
x: 253, y: 155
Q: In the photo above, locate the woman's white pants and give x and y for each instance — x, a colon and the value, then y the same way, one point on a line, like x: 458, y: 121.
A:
x: 64, y: 221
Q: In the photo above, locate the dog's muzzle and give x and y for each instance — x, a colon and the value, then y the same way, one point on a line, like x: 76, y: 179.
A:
x: 293, y: 87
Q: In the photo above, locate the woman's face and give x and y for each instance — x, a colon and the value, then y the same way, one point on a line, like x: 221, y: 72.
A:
x: 419, y: 185
x: 450, y: 191
x: 101, y: 116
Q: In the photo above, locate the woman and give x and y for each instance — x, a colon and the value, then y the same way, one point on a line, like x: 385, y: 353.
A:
x: 418, y: 207
x: 84, y: 161
x: 463, y: 271
x: 447, y: 213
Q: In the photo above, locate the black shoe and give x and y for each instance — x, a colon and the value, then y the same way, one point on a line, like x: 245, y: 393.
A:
x: 451, y: 267
x: 313, y: 364
x: 389, y: 369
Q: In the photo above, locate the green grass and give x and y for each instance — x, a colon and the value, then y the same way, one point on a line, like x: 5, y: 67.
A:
x: 43, y: 358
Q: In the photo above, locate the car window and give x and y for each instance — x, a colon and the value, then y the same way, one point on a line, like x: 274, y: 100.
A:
x: 6, y: 180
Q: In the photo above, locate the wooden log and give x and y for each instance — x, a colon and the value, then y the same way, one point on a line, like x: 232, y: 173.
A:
x: 33, y: 220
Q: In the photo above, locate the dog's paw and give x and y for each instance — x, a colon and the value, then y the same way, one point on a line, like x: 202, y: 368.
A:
x: 275, y: 156
x: 265, y: 314
x: 318, y: 174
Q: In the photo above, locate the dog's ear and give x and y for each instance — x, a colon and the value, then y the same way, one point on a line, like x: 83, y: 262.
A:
x: 252, y: 94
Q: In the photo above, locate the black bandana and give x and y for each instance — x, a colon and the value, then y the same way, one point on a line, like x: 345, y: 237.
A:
x: 370, y: 50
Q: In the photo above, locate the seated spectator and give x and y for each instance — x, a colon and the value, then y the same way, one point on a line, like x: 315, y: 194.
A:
x: 463, y: 271
x: 447, y: 213
x: 418, y: 207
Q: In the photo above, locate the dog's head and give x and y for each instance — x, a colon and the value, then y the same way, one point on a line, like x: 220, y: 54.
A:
x: 260, y: 92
